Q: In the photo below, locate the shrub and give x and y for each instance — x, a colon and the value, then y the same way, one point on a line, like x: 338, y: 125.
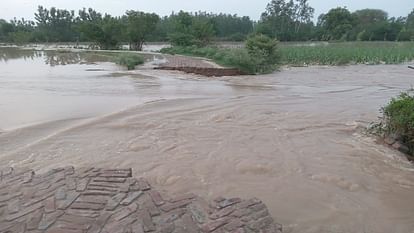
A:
x: 399, y: 116
x: 264, y: 51
x: 129, y: 60
x: 397, y: 122
x: 238, y: 58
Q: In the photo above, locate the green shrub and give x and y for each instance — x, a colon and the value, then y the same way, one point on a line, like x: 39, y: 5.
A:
x: 264, y: 51
x: 238, y: 58
x: 399, y: 118
x: 129, y: 60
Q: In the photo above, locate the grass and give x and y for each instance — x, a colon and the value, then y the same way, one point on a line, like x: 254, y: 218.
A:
x: 347, y: 53
x: 129, y: 60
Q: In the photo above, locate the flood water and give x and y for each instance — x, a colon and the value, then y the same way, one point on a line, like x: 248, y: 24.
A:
x: 294, y: 138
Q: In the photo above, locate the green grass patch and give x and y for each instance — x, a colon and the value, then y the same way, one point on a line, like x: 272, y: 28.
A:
x: 346, y: 53
x: 129, y: 60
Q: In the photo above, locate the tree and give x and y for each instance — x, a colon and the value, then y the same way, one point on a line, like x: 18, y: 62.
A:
x: 5, y: 29
x: 203, y: 31
x: 336, y: 24
x: 304, y: 14
x: 285, y: 19
x: 410, y: 20
x: 55, y: 25
x: 191, y: 29
x: 182, y: 34
x: 21, y: 31
x: 371, y: 24
x: 139, y: 27
x: 232, y: 27
x: 105, y: 31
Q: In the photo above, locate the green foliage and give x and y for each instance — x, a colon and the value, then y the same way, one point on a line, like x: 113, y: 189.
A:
x: 347, y: 53
x: 104, y: 31
x: 231, y: 27
x: 264, y: 51
x: 5, y: 29
x: 336, y: 24
x: 139, y: 27
x: 410, y: 20
x: 398, y: 119
x: 286, y: 20
x: 55, y: 25
x: 20, y: 37
x: 191, y: 30
x: 129, y: 60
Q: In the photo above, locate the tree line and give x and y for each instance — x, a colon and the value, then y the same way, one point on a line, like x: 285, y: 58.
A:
x: 285, y: 20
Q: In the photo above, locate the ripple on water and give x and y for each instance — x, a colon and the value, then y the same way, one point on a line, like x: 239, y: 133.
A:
x: 340, y: 182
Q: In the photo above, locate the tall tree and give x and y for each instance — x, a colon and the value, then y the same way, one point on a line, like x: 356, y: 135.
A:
x: 191, y: 29
x: 139, y: 27
x: 410, y: 20
x: 284, y: 19
x: 104, y: 31
x: 371, y: 24
x: 55, y: 25
x: 5, y: 29
x: 336, y: 24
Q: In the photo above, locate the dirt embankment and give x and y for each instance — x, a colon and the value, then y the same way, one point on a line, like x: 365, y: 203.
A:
x: 194, y: 65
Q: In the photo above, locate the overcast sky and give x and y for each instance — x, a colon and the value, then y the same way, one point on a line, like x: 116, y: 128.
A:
x: 252, y: 8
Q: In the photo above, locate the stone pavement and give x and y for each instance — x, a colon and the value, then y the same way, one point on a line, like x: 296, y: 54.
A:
x: 92, y: 200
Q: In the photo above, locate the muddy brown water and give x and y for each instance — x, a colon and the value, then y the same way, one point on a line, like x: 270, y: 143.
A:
x: 293, y: 138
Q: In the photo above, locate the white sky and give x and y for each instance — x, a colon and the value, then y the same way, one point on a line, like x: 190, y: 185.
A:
x: 252, y: 8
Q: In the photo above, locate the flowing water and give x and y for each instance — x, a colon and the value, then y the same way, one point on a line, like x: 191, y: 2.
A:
x: 294, y: 138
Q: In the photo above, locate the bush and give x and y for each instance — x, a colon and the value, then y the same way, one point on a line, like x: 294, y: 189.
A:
x: 129, y: 60
x: 398, y: 120
x: 399, y: 116
x: 238, y: 58
x: 264, y: 51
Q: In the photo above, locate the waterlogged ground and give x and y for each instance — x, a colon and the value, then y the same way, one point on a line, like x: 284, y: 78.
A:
x: 293, y: 139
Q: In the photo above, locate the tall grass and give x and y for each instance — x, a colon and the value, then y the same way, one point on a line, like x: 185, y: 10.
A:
x: 347, y: 53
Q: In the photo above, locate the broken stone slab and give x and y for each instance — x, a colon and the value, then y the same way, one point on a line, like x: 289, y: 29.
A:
x: 97, y: 200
